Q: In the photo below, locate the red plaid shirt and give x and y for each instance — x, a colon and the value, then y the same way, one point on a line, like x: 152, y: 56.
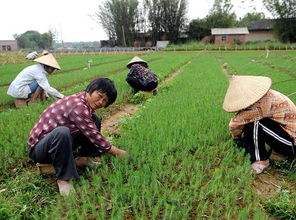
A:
x: 74, y: 113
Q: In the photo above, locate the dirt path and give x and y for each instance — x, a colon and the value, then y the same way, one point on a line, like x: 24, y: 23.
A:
x: 271, y: 182
x: 111, y: 123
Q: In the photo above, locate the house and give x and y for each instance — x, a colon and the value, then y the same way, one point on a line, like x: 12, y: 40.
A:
x: 261, y: 30
x: 229, y: 35
x: 8, y: 45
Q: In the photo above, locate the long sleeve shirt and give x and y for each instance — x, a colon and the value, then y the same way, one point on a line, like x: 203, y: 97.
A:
x: 143, y: 74
x: 74, y: 113
x: 19, y: 88
x: 273, y: 105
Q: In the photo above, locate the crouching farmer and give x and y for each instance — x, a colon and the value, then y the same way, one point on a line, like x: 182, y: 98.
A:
x: 32, y: 84
x: 263, y: 116
x: 140, y: 77
x: 68, y: 132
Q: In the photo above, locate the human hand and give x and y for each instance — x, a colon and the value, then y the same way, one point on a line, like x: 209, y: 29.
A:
x: 117, y: 152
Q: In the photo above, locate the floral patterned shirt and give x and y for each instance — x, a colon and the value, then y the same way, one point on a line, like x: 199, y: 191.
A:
x: 145, y: 75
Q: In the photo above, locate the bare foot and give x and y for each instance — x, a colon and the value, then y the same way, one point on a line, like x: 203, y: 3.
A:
x: 260, y: 165
x: 65, y: 187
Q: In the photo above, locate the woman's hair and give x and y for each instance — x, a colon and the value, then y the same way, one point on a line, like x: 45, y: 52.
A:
x: 46, y: 67
x: 103, y: 85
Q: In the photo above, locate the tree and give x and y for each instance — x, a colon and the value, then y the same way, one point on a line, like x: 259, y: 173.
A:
x: 35, y: 40
x: 285, y: 13
x: 119, y: 19
x: 251, y: 16
x: 220, y: 15
x: 198, y: 29
x: 47, y: 40
x: 166, y: 17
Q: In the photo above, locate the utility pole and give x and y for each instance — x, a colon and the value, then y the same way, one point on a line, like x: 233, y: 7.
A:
x: 61, y: 35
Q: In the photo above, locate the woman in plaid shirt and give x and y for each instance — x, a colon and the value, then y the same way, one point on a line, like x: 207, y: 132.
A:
x: 68, y: 132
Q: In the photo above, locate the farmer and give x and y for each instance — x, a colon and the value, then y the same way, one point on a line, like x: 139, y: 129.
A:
x: 140, y: 77
x: 31, y: 56
x: 263, y: 116
x: 69, y: 132
x: 31, y: 83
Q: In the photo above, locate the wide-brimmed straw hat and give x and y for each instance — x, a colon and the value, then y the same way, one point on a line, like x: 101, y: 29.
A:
x: 136, y: 59
x: 48, y: 60
x: 243, y: 91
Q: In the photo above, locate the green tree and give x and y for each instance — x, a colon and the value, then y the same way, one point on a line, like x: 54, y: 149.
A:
x: 221, y: 15
x: 251, y: 16
x: 119, y: 19
x: 47, y: 40
x: 285, y: 13
x: 35, y: 40
x: 198, y: 29
x: 166, y: 17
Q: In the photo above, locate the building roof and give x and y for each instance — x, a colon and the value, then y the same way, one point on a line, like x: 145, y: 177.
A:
x: 264, y: 24
x: 227, y: 31
x: 8, y: 42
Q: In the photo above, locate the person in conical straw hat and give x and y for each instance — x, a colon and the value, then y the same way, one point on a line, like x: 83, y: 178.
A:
x: 32, y: 84
x: 31, y: 56
x: 263, y: 116
x: 140, y: 77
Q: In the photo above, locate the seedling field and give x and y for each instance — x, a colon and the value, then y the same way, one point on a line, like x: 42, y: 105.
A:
x: 182, y: 163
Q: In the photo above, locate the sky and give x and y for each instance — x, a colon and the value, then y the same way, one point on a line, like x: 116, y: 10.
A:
x: 71, y: 20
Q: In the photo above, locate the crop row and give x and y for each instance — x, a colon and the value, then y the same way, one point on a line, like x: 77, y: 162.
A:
x: 16, y: 123
x: 68, y: 63
x: 68, y: 79
x: 181, y: 163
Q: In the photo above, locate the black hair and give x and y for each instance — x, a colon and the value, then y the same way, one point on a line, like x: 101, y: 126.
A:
x: 103, y: 85
x: 46, y: 67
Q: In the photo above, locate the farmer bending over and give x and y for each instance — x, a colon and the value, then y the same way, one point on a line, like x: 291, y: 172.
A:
x: 68, y: 132
x: 31, y: 83
x: 263, y: 116
x: 140, y: 77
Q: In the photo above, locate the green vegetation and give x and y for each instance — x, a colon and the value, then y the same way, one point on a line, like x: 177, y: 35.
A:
x: 182, y: 163
x: 260, y: 45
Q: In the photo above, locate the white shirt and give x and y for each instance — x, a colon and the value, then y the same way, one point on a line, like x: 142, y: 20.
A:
x: 32, y: 56
x: 19, y: 88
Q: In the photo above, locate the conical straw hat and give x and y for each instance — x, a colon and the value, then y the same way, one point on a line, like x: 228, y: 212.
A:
x: 48, y: 60
x: 136, y: 59
x: 244, y: 91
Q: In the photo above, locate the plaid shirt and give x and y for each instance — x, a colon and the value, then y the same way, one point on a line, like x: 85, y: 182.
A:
x: 273, y: 105
x: 74, y: 113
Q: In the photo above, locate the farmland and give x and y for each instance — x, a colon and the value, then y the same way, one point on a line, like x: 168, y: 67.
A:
x: 182, y: 163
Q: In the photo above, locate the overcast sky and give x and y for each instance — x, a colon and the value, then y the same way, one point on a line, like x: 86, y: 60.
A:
x: 71, y: 19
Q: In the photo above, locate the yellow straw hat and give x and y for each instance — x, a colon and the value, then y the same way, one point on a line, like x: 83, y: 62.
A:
x: 48, y: 60
x: 136, y: 59
x: 244, y: 91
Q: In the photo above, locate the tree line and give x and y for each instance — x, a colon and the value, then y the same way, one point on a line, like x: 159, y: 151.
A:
x: 132, y: 22
x: 128, y: 21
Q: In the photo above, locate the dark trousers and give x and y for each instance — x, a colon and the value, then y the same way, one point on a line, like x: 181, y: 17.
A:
x: 266, y: 131
x: 138, y: 86
x: 60, y: 148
